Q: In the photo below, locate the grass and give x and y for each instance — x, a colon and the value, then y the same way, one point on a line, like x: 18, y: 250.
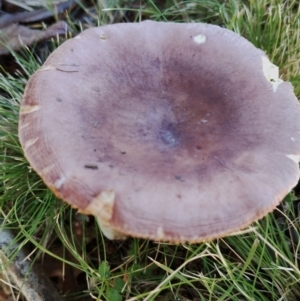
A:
x: 258, y: 263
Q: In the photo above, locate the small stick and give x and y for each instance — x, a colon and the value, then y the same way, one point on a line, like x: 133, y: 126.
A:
x: 30, y: 280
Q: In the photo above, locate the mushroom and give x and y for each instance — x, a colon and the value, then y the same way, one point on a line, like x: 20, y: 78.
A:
x: 173, y: 132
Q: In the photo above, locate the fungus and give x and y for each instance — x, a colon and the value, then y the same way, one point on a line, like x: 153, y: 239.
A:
x: 166, y: 131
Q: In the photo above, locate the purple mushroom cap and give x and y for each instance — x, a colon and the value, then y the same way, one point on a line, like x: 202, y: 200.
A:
x: 173, y: 132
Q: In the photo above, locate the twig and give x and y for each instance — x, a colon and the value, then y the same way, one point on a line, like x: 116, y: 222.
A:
x: 30, y: 280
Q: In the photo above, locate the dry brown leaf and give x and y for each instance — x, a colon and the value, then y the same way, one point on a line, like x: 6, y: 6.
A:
x: 15, y: 36
x: 65, y: 275
x: 31, y: 4
x: 36, y: 15
x: 6, y: 292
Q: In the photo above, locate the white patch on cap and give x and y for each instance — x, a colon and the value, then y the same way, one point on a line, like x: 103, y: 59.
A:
x: 30, y: 142
x: 103, y: 36
x: 29, y: 109
x: 294, y: 158
x: 59, y: 182
x: 199, y: 39
x: 160, y: 233
x: 47, y: 169
x: 293, y: 139
x: 23, y: 126
x: 47, y: 67
x: 102, y: 207
x: 271, y: 73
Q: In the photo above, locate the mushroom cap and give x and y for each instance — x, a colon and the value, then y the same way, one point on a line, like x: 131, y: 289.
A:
x: 174, y: 132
